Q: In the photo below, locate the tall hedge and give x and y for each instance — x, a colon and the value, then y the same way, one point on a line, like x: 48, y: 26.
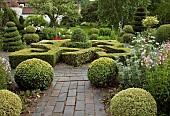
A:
x: 12, y: 39
x: 138, y: 17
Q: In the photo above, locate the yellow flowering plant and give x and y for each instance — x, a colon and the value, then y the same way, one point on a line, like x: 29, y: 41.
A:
x: 150, y: 21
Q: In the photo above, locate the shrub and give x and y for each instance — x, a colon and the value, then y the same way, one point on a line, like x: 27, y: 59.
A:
x: 93, y: 31
x: 103, y: 72
x: 79, y: 35
x: 30, y: 29
x: 12, y: 39
x: 104, y: 31
x: 128, y: 29
x: 157, y: 83
x: 77, y: 58
x: 47, y: 33
x: 35, y: 20
x: 31, y: 38
x: 133, y: 102
x: 163, y: 33
x: 103, y: 38
x: 67, y: 36
x: 5, y: 77
x: 84, y: 45
x: 128, y: 37
x: 34, y: 74
x: 10, y: 104
x: 139, y: 16
x: 10, y: 24
x: 93, y: 36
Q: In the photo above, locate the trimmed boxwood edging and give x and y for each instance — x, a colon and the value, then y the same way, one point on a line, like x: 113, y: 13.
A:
x: 52, y: 52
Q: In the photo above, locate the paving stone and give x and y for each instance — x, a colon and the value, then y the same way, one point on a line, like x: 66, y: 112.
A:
x: 80, y: 106
x: 100, y: 113
x: 58, y: 85
x: 62, y: 97
x: 73, y: 85
x: 99, y: 106
x: 48, y: 110
x: 76, y: 78
x: 64, y: 79
x: 89, y: 99
x: 80, y: 89
x: 52, y: 101
x: 64, y: 89
x: 55, y: 93
x: 66, y: 84
x: 72, y: 92
x: 71, y: 101
x: 81, y: 83
x: 89, y: 109
x: 69, y: 111
x: 36, y: 114
x: 40, y: 107
x: 59, y: 74
x: 69, y: 75
x: 79, y: 113
x: 59, y: 107
x: 80, y: 96
x: 57, y: 114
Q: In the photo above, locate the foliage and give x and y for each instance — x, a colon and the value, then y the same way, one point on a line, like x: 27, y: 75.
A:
x: 162, y: 10
x: 35, y: 20
x: 163, y: 33
x: 12, y: 39
x: 93, y: 31
x: 34, y: 74
x: 138, y: 17
x: 133, y: 102
x: 66, y: 8
x: 47, y: 33
x: 103, y: 38
x: 83, y: 45
x: 11, y: 104
x: 128, y: 37
x: 77, y: 58
x: 93, y: 36
x: 150, y: 21
x: 31, y: 36
x: 103, y: 72
x: 158, y: 81
x: 30, y: 29
x: 5, y: 77
x: 89, y: 13
x: 128, y: 29
x: 115, y: 12
x: 79, y: 35
x: 104, y: 31
x: 131, y: 72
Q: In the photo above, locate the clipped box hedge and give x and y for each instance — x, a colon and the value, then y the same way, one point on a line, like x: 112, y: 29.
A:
x: 78, y: 58
x: 17, y: 57
x: 113, y: 52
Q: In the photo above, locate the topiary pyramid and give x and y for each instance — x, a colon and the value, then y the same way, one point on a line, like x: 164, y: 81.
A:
x: 139, y: 16
x: 12, y: 39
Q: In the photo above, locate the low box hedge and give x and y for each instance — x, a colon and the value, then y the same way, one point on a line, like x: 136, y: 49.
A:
x: 113, y: 52
x: 115, y: 43
x: 49, y: 56
x: 78, y: 58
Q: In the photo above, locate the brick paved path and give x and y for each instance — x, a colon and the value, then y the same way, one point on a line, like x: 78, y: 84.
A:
x: 71, y: 94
